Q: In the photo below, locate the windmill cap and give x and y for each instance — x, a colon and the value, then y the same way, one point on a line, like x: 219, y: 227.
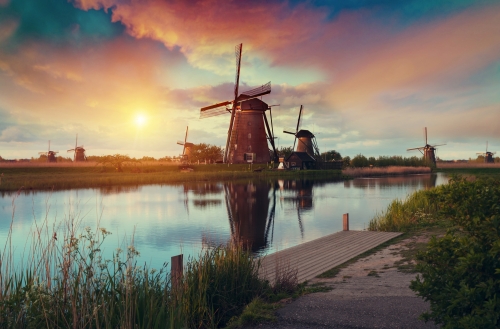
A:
x: 304, y: 133
x: 254, y: 104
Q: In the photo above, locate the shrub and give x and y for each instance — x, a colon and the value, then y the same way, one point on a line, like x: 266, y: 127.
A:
x: 460, y: 273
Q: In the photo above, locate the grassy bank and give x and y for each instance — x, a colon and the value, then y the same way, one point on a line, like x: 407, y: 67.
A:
x: 31, y: 177
x: 65, y: 282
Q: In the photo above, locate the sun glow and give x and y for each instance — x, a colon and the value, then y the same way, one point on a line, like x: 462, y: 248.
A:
x: 140, y: 120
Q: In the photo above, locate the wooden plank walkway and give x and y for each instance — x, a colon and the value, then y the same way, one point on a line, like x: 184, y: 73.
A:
x: 315, y: 257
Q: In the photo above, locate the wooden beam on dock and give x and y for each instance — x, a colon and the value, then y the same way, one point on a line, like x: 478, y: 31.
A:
x: 315, y: 257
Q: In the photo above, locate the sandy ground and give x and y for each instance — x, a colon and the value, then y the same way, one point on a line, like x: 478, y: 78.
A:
x: 370, y: 293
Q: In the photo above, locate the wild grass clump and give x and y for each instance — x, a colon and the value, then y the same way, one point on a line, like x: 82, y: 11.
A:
x: 218, y: 285
x: 417, y: 210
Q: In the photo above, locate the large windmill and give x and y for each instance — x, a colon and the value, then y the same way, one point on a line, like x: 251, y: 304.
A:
x: 249, y: 129
x: 187, y: 149
x: 307, y: 140
x: 429, y: 151
x: 79, y: 152
x: 51, y: 155
x: 488, y: 156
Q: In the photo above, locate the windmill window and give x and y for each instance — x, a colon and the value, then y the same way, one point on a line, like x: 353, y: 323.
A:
x: 249, y: 148
x: 249, y: 135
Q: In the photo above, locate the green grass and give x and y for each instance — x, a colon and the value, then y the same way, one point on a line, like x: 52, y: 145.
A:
x: 68, y: 177
x: 471, y: 171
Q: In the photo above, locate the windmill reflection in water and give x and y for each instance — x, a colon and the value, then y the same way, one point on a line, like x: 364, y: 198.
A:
x: 251, y: 208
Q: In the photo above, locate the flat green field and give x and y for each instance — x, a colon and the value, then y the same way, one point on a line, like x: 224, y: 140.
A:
x: 471, y: 171
x: 30, y: 177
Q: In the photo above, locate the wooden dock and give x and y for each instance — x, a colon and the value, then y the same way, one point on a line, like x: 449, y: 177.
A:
x: 315, y: 257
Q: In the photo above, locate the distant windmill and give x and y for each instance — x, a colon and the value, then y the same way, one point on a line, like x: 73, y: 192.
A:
x: 249, y: 129
x: 51, y: 155
x: 488, y: 156
x: 429, y: 151
x: 187, y: 149
x: 79, y: 152
x: 307, y: 140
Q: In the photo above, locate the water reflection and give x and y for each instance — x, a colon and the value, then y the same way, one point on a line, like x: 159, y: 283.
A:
x: 165, y: 220
x: 425, y: 181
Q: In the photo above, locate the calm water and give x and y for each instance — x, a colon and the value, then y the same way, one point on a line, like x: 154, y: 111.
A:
x: 167, y: 220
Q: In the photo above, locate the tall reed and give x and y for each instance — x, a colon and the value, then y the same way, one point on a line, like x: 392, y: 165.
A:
x: 417, y: 210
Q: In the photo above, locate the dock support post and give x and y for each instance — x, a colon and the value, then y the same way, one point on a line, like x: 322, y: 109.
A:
x: 345, y: 222
x: 176, y: 269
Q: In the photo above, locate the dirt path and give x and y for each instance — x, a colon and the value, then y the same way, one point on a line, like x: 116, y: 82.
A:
x: 372, y: 292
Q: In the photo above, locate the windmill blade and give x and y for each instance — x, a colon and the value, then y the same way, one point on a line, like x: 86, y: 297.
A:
x: 482, y: 153
x: 425, y: 135
x: 416, y: 148
x: 71, y: 150
x: 289, y: 131
x: 180, y: 142
x: 254, y: 93
x: 238, y: 49
x: 42, y: 153
x: 214, y: 107
x: 437, y: 145
x: 486, y: 146
x: 186, y: 137
x: 298, y: 121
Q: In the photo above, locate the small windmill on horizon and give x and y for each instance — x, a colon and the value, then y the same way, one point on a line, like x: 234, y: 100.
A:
x: 429, y: 151
x: 307, y: 140
x: 488, y: 156
x: 51, y: 155
x: 187, y: 148
x: 79, y: 152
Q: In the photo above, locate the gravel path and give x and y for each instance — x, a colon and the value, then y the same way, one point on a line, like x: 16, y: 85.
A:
x: 370, y: 293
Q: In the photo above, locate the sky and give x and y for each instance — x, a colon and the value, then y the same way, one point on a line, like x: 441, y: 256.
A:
x: 128, y: 76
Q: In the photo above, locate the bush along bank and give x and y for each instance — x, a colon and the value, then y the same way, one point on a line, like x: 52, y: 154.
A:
x: 66, y: 283
x: 460, y: 272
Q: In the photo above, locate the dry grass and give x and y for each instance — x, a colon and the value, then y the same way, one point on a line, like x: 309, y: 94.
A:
x: 385, y: 171
x: 461, y: 165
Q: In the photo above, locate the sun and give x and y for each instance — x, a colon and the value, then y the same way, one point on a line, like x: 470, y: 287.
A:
x: 140, y: 120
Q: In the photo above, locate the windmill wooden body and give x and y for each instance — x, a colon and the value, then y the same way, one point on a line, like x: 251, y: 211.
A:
x: 79, y: 152
x: 249, y: 130
x: 428, y: 151
x: 306, y: 139
x: 488, y: 156
x: 51, y: 155
x: 187, y: 150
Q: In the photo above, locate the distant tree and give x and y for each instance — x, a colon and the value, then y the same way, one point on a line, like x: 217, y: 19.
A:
x: 372, y: 161
x: 331, y: 155
x: 347, y: 161
x: 117, y: 161
x: 166, y: 159
x: 206, y: 152
x: 63, y: 159
x: 359, y: 161
x: 480, y: 159
x: 146, y: 158
x: 284, y: 152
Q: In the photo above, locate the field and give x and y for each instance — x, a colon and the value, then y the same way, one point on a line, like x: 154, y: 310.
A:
x: 42, y: 176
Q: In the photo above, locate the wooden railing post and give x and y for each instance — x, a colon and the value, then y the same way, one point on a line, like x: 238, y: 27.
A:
x: 345, y: 222
x: 176, y: 269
